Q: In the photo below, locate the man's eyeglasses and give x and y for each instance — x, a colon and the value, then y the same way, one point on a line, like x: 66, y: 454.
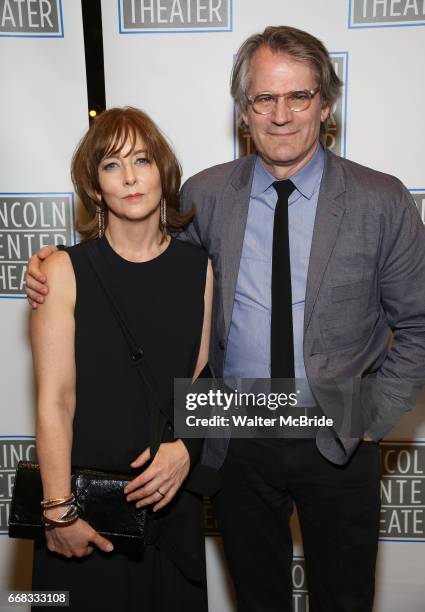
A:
x: 265, y: 103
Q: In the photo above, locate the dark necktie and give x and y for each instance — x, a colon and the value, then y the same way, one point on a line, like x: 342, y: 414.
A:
x: 282, y: 335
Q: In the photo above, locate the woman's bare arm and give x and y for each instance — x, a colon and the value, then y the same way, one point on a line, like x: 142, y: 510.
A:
x: 206, y: 327
x: 52, y: 338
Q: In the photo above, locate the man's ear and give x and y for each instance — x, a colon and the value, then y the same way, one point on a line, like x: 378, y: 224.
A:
x: 244, y: 117
x: 325, y: 112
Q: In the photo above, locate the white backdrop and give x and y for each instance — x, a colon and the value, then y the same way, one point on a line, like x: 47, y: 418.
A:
x: 173, y: 59
x: 43, y: 114
x: 178, y: 71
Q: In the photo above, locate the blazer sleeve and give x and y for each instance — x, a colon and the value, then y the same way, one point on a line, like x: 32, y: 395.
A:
x: 394, y: 388
x: 188, y: 201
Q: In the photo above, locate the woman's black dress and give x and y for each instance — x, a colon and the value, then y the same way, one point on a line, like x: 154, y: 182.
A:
x: 163, y: 302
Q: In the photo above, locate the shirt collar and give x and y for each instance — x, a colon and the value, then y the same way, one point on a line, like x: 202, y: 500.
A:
x: 305, y: 180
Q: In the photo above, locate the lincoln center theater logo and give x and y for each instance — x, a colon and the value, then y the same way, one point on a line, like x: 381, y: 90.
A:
x: 419, y: 197
x: 31, y: 18
x: 144, y: 16
x: 337, y: 125
x: 335, y: 138
x: 27, y: 223
x: 12, y: 450
x: 300, y: 601
x: 386, y: 13
x: 210, y: 522
x: 403, y: 491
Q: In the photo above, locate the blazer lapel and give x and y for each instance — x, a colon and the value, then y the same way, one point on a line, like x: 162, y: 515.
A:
x: 329, y: 214
x: 235, y: 204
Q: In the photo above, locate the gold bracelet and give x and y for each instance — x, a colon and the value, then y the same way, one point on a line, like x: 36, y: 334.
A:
x: 68, y: 517
x: 57, y: 501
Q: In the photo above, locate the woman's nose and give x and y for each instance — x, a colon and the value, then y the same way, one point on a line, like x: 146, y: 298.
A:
x: 129, y: 176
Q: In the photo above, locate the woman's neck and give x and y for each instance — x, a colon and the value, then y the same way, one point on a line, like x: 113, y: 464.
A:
x: 136, y: 242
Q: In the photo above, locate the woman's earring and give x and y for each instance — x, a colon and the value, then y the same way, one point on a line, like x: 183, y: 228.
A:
x: 163, y: 213
x: 101, y: 221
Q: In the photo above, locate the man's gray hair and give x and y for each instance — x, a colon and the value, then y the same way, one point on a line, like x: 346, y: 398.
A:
x: 299, y: 45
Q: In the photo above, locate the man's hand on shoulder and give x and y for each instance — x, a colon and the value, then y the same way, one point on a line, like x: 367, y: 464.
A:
x: 35, y: 281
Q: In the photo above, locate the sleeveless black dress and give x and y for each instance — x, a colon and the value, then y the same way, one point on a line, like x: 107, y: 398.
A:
x: 163, y: 303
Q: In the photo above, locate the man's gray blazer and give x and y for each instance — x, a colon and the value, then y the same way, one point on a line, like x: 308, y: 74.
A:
x: 366, y: 278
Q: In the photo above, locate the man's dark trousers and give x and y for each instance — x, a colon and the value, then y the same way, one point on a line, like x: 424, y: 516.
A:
x: 338, y: 509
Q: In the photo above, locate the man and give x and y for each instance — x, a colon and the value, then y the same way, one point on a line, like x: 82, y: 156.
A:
x: 357, y: 273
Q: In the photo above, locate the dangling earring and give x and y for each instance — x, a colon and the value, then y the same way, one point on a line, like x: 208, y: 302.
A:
x: 100, y: 221
x: 163, y: 214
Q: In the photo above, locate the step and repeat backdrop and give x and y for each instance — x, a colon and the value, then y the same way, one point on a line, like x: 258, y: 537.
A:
x: 173, y: 59
x: 43, y: 113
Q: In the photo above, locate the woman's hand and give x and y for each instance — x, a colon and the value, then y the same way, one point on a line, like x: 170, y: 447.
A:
x: 76, y: 540
x: 162, y: 479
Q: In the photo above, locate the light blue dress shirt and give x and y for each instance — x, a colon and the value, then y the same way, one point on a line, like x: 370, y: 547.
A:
x: 248, y: 347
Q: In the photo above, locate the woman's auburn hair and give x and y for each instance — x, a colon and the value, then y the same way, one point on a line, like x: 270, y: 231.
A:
x: 106, y: 137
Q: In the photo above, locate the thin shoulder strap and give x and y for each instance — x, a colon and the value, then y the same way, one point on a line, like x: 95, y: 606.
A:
x: 96, y: 262
x: 136, y: 352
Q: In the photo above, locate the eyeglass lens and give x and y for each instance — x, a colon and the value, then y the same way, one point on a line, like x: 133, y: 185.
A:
x: 295, y: 101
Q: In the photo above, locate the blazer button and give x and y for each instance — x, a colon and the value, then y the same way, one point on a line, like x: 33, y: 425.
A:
x: 221, y: 345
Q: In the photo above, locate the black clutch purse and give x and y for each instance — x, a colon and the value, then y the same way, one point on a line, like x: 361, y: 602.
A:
x: 99, y: 497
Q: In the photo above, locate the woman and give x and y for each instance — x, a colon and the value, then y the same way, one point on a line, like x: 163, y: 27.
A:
x: 91, y: 408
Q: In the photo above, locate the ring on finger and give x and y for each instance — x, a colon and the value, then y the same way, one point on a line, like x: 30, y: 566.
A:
x: 161, y: 494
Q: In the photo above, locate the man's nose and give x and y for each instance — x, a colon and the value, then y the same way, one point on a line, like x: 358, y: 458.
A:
x: 281, y: 113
